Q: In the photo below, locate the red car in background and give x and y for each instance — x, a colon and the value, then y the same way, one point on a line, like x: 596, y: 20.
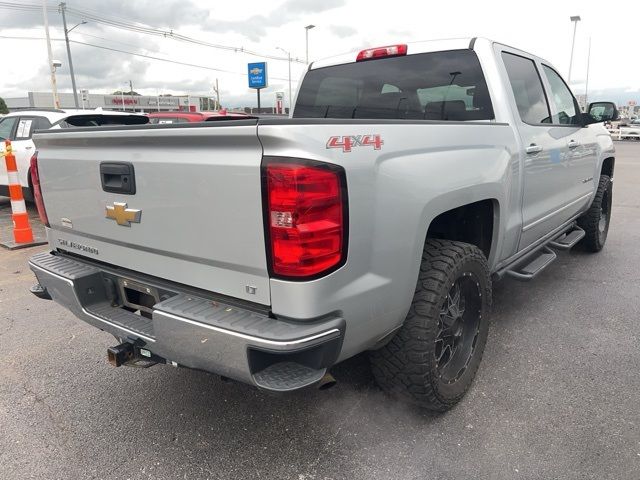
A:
x: 188, y: 117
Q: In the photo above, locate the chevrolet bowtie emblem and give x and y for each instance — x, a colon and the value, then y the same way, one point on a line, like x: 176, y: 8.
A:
x: 123, y: 215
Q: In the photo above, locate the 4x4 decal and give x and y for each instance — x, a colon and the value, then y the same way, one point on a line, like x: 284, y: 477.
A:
x: 347, y: 142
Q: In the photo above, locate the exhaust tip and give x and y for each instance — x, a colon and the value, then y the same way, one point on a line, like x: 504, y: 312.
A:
x: 326, y: 382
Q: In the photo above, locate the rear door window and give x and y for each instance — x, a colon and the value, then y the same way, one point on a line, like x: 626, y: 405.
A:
x: 41, y: 123
x: 527, y: 89
x: 6, y: 127
x: 430, y: 86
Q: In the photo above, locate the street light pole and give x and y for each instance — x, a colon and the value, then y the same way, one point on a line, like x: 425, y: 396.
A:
x: 289, y: 60
x: 290, y: 97
x: 575, y: 21
x: 306, y: 32
x: 52, y: 69
x: 63, y: 7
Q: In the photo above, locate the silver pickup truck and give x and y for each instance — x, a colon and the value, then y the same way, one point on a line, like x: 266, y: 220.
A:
x: 408, y: 178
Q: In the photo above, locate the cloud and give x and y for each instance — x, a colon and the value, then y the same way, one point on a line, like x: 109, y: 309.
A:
x: 399, y: 33
x: 21, y: 19
x: 255, y: 27
x: 94, y: 71
x: 98, y: 68
x: 342, y: 31
x: 310, y: 6
x: 158, y: 13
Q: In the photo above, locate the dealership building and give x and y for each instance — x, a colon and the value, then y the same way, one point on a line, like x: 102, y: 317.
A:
x: 137, y: 103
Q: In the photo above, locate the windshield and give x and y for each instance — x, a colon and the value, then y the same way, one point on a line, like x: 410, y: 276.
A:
x: 431, y: 86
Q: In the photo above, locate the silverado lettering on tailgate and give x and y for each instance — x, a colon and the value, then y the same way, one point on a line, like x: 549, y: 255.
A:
x: 77, y: 246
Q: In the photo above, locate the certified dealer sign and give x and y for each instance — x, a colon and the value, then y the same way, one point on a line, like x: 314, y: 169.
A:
x: 257, y: 74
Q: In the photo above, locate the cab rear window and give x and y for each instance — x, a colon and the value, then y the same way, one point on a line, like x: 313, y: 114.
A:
x: 447, y: 86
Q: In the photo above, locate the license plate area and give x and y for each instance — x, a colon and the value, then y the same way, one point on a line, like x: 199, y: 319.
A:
x: 138, y: 296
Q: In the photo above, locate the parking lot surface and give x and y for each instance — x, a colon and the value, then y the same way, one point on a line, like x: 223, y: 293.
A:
x: 557, y: 395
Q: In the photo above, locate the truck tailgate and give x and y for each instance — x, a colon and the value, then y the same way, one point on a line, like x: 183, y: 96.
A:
x: 198, y: 192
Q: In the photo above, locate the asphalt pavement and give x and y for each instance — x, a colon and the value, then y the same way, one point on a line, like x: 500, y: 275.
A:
x: 557, y: 395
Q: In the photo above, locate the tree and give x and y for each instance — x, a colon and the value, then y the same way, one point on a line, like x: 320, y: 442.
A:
x: 125, y: 92
x: 207, y: 103
x: 3, y: 106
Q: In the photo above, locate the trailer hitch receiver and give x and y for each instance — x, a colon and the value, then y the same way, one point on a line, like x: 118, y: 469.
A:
x: 120, y: 354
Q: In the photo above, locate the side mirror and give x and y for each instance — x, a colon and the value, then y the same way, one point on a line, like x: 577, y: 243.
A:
x: 601, y: 112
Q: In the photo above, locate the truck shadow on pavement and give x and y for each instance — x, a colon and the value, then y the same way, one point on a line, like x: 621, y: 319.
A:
x: 226, y: 426
x: 230, y: 406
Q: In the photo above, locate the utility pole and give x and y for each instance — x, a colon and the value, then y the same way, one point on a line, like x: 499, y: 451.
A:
x: 130, y: 88
x: 63, y: 7
x: 216, y: 90
x: 290, y: 97
x: 52, y: 69
x: 289, y: 61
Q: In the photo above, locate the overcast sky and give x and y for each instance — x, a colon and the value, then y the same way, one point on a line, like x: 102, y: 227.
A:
x: 541, y: 27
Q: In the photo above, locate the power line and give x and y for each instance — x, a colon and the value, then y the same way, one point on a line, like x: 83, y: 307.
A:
x: 109, y: 40
x: 11, y: 37
x: 151, y: 57
x: 143, y: 29
x: 25, y: 7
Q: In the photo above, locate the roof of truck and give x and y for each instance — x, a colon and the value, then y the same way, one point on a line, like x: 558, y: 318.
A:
x: 424, y: 46
x: 412, y: 47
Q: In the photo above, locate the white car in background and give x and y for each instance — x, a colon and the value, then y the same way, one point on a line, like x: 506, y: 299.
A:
x: 631, y: 130
x: 19, y: 125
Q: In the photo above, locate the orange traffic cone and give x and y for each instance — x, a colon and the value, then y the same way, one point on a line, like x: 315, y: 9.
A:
x: 22, y: 232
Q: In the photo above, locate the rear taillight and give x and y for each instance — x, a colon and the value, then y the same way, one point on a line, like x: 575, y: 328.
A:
x: 37, y: 191
x: 305, y: 217
x: 381, y: 52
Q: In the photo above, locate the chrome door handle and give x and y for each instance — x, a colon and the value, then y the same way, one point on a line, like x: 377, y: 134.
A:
x: 533, y: 148
x: 573, y: 144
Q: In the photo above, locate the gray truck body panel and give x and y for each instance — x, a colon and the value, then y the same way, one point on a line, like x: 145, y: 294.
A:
x: 179, y: 238
x: 201, y: 201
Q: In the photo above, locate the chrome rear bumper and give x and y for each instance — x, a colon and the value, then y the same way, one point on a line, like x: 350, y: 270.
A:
x: 193, y: 331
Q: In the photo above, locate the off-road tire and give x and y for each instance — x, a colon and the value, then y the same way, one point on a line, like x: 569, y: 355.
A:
x: 599, y: 211
x: 407, y: 366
